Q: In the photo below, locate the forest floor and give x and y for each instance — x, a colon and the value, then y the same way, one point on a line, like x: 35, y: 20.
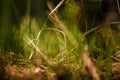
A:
x: 37, y: 70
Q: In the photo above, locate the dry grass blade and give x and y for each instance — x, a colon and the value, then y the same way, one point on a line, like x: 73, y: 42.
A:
x: 63, y: 27
x: 32, y: 44
x: 60, y: 3
x: 90, y: 31
x: 116, y: 59
x: 118, y: 6
x: 37, y: 41
x: 89, y: 64
x: 59, y: 24
x: 117, y: 22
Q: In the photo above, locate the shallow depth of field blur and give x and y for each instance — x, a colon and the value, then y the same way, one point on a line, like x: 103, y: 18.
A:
x: 57, y: 40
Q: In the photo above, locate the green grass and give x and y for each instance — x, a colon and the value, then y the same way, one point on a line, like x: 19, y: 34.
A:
x: 61, y: 45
